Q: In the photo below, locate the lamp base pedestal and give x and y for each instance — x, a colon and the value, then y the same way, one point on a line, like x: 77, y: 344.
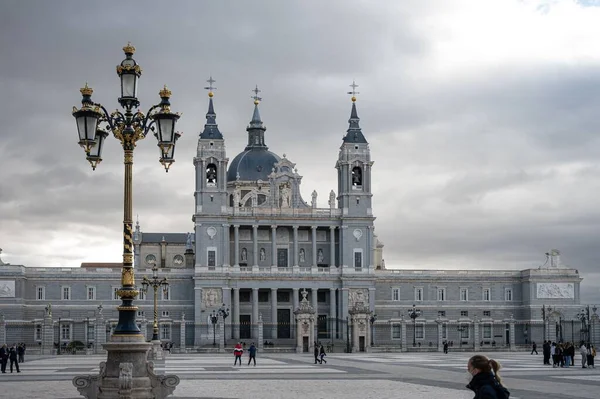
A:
x: 126, y: 374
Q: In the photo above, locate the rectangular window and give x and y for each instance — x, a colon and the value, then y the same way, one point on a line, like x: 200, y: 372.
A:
x: 91, y: 332
x: 322, y: 296
x: 91, y: 293
x: 487, y: 331
x: 396, y: 331
x: 486, y: 294
x: 357, y: 259
x: 65, y: 332
x: 418, y: 294
x: 508, y: 294
x: 444, y: 331
x: 38, y: 332
x: 441, y: 294
x: 140, y: 313
x: 41, y: 293
x: 464, y: 294
x: 464, y: 313
x: 244, y: 296
x: 212, y: 258
x: 166, y: 293
x: 464, y: 331
x: 165, y: 313
x: 142, y: 296
x: 283, y: 296
x: 420, y: 331
x: 66, y: 293
x: 165, y: 331
x: 263, y: 296
x: 115, y: 294
x: 441, y: 313
x: 487, y: 313
x: 395, y: 294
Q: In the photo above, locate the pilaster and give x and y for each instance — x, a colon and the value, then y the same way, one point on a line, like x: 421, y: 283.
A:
x: 403, y: 336
x: 2, y: 330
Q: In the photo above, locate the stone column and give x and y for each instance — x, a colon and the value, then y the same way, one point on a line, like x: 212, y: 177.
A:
x: 331, y: 246
x: 546, y: 330
x: 440, y: 327
x: 182, y: 335
x: 314, y: 246
x: 511, y: 331
x: 369, y: 257
x: 255, y: 246
x: 314, y: 303
x: 403, y: 336
x: 273, y: 313
x: 476, y: 339
x: 344, y: 303
x: 235, y: 313
x: 332, y: 316
x: 221, y: 334
x: 274, y: 246
x: 199, y: 318
x: 260, y: 332
x: 342, y: 258
x: 48, y: 335
x: 236, y: 244
x: 295, y: 262
x: 3, y: 330
x: 226, y: 246
x: 100, y: 331
x: 254, y: 312
x: 295, y: 303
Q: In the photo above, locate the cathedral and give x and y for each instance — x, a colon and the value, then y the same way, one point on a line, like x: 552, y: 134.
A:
x: 261, y: 258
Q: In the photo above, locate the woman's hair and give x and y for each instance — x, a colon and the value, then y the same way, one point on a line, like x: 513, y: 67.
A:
x: 486, y: 365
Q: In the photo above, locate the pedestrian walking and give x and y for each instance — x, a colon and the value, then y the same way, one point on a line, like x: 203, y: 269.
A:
x: 3, y: 358
x: 485, y: 379
x: 546, y: 352
x: 534, y: 348
x: 21, y: 352
x: 446, y: 347
x: 322, y: 354
x: 591, y: 355
x: 252, y: 354
x: 238, y: 351
x: 316, y: 353
x: 583, y: 352
x: 12, y: 356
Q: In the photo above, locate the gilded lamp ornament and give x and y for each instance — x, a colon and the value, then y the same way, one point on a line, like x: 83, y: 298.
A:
x: 94, y: 123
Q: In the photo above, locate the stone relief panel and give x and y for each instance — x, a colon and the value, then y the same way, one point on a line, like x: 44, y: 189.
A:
x: 322, y: 235
x: 7, y: 288
x: 283, y: 234
x: 358, y: 296
x: 211, y: 297
x: 245, y: 235
x: 303, y: 235
x: 264, y: 235
x: 555, y: 290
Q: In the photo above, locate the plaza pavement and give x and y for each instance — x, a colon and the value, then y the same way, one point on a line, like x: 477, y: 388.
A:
x: 364, y: 375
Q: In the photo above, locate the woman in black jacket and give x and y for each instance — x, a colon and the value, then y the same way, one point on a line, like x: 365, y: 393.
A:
x: 485, y: 381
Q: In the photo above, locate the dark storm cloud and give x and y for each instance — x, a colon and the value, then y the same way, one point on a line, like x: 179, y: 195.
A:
x: 485, y: 167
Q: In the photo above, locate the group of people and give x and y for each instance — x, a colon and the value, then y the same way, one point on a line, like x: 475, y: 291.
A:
x: 238, y: 351
x: 563, y: 354
x: 319, y: 353
x: 15, y: 354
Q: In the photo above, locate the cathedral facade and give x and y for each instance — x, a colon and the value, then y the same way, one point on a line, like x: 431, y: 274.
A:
x: 258, y: 249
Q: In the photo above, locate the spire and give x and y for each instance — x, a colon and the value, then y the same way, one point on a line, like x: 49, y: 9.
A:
x: 354, y: 133
x: 256, y: 129
x: 211, y: 129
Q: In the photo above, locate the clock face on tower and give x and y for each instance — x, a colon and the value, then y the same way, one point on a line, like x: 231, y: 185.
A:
x: 178, y: 260
x: 150, y: 259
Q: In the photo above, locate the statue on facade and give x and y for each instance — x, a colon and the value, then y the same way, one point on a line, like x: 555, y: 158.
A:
x: 302, y: 255
x: 188, y: 242
x: 48, y: 309
x: 263, y: 254
x: 1, y: 263
x: 332, y: 199
x: 285, y: 196
x: 244, y: 255
x: 320, y: 256
x: 313, y: 201
x: 236, y: 198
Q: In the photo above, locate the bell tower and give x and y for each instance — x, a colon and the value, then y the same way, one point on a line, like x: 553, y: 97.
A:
x: 354, y: 168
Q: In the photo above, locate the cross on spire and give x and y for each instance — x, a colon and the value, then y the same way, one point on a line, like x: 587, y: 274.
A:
x: 255, y: 96
x: 353, y: 92
x: 210, y: 86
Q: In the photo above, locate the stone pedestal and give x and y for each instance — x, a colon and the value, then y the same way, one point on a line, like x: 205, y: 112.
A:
x: 403, y: 336
x: 305, y: 325
x: 126, y: 374
x: 260, y: 331
x: 48, y: 334
x: 156, y: 352
x: 360, y: 316
x: 221, y: 334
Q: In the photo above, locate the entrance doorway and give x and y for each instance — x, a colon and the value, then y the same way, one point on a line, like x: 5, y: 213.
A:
x: 361, y: 343
x: 282, y: 257
x: 283, y: 323
x: 305, y: 344
x: 245, y: 326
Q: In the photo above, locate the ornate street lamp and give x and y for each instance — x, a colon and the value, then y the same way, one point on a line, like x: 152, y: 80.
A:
x: 155, y: 282
x: 93, y: 124
x: 413, y: 314
x: 584, y: 316
x: 545, y: 316
x: 224, y: 313
x: 372, y: 319
x: 460, y: 328
x: 214, y: 317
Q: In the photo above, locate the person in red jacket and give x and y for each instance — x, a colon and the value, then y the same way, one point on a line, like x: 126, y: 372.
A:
x: 237, y: 352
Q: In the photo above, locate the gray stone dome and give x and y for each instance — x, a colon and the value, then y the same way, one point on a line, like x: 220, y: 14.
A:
x: 252, y: 164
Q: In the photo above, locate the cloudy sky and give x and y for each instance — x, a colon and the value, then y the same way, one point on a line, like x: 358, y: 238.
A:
x: 482, y: 117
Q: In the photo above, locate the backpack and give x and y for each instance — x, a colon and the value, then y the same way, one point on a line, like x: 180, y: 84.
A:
x: 501, y: 391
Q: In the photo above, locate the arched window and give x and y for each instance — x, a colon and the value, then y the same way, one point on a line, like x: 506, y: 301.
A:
x: 356, y: 176
x: 211, y: 174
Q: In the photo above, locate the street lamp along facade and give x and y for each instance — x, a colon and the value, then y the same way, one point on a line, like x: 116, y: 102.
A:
x: 93, y: 124
x: 155, y: 282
